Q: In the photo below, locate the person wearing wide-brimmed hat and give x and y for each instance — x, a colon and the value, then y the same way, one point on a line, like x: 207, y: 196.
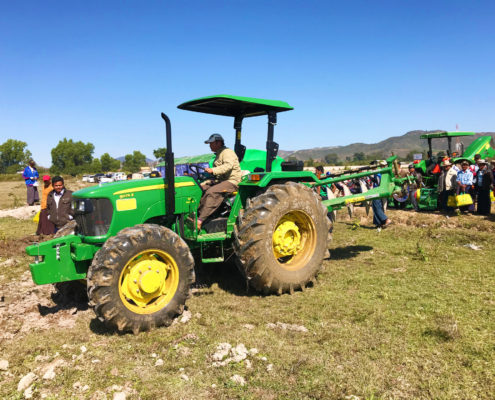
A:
x: 465, y: 181
x: 446, y: 185
x: 484, y: 184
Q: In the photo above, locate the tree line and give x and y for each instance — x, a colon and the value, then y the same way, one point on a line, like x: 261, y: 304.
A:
x: 71, y: 158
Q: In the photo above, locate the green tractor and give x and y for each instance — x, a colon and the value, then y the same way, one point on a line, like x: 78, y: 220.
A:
x: 134, y: 240
x: 430, y: 168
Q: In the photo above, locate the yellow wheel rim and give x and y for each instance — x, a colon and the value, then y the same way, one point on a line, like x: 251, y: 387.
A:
x: 294, y: 240
x: 148, y: 281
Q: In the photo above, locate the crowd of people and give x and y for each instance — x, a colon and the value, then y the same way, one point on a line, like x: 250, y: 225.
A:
x: 466, y: 187
x: 462, y: 187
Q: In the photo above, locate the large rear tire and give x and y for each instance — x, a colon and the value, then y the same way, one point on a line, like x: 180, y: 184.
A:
x: 282, y: 237
x: 141, y: 278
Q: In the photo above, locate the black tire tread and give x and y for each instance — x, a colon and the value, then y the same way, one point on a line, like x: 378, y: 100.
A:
x: 250, y: 233
x: 104, y: 272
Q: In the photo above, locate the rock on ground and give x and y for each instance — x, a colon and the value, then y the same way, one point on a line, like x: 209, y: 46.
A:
x: 26, y: 381
x: 159, y: 362
x: 222, y: 351
x: 28, y: 393
x: 24, y: 212
x: 186, y: 316
x: 4, y: 365
x: 237, y: 379
x: 287, y: 327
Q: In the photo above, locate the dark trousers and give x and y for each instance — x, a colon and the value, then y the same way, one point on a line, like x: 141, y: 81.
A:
x: 379, y: 217
x: 213, y: 197
x: 484, y: 203
x: 443, y: 199
x: 412, y: 198
x: 32, y: 195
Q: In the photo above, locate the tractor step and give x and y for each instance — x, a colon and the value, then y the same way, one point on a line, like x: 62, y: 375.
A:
x: 212, y: 243
x: 212, y: 260
x: 212, y: 237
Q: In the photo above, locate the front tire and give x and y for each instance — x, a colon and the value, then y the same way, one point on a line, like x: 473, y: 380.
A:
x: 141, y: 278
x: 282, y: 238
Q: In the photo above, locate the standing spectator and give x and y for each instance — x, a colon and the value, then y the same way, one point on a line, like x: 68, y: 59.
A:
x: 31, y: 176
x: 465, y: 183
x: 477, y: 158
x: 446, y: 185
x: 319, y: 172
x: 45, y: 227
x: 380, y: 220
x: 413, y: 187
x: 484, y: 184
x: 59, y: 204
x: 474, y: 169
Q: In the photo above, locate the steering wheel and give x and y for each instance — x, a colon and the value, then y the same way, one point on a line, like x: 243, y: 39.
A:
x: 197, y: 175
x: 196, y: 168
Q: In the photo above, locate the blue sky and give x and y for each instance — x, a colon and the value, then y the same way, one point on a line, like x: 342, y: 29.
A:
x: 355, y: 71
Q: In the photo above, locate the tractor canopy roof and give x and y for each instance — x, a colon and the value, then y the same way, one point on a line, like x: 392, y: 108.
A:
x: 445, y: 134
x: 235, y: 106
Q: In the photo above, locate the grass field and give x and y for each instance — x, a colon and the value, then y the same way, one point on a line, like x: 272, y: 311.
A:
x: 404, y: 313
x: 13, y: 192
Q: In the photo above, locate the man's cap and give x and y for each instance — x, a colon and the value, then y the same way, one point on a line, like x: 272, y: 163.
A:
x: 445, y: 163
x: 411, y: 166
x: 382, y: 163
x: 464, y: 163
x: 213, y: 138
x: 482, y: 161
x: 46, y: 177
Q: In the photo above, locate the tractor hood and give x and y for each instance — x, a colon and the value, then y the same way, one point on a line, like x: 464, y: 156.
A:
x: 235, y: 106
x: 109, y: 190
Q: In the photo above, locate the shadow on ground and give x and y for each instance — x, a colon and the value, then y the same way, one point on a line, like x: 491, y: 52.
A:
x: 68, y: 295
x: 226, y: 275
x: 344, y: 253
x: 359, y: 226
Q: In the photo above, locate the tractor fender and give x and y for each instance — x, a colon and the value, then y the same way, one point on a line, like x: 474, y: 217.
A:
x: 155, y: 210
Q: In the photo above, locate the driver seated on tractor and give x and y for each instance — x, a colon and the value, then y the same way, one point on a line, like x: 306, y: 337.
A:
x: 227, y: 175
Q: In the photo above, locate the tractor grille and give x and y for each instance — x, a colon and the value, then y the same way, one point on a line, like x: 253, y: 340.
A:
x: 96, y: 220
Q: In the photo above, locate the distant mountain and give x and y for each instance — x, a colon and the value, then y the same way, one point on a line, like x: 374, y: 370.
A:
x: 399, y: 145
x: 122, y: 159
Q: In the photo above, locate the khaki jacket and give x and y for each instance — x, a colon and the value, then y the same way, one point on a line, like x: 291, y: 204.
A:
x: 226, y: 166
x: 447, y: 181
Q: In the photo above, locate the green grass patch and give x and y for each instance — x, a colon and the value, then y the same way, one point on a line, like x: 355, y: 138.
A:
x: 399, y: 314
